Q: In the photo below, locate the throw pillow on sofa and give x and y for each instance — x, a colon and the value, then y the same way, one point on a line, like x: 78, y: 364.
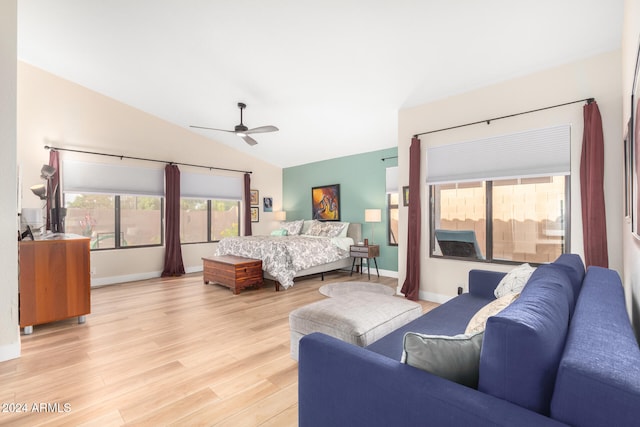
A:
x: 479, y: 320
x: 514, y: 281
x: 455, y: 358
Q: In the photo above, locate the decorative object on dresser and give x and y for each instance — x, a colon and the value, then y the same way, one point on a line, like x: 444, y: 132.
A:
x: 365, y: 251
x: 232, y: 271
x: 55, y: 280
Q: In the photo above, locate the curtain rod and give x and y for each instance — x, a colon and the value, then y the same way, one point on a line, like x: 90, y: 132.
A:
x: 488, y: 121
x: 47, y: 147
x: 389, y: 158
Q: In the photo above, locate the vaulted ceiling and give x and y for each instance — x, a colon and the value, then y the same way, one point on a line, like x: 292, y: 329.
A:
x: 332, y: 75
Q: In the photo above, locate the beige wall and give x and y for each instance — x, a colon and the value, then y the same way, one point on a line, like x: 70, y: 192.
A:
x: 597, y: 77
x: 60, y: 113
x: 631, y: 245
x: 9, y: 331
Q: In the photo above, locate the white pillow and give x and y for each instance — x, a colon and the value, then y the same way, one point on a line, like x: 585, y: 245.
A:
x: 293, y: 227
x: 325, y: 229
x: 307, y: 225
x: 478, y: 322
x: 514, y: 281
x: 345, y: 230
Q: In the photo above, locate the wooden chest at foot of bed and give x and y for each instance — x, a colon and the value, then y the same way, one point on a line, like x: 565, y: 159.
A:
x: 232, y: 271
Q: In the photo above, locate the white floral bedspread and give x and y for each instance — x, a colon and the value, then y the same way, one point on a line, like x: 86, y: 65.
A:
x: 283, y: 256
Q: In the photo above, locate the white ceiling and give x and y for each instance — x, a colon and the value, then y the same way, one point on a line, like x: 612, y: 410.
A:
x: 331, y: 74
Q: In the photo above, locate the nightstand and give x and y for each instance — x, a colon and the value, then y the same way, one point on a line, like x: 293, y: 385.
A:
x: 365, y: 251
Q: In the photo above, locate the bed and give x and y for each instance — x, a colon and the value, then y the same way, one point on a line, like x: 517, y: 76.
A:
x: 308, y: 247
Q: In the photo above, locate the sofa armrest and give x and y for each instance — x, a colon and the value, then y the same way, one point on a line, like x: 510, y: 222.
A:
x: 341, y: 384
x: 483, y: 282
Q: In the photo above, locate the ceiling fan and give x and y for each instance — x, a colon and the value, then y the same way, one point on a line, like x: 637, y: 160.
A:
x: 241, y: 130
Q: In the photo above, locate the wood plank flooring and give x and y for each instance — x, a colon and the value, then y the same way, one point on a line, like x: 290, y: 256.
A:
x: 169, y: 351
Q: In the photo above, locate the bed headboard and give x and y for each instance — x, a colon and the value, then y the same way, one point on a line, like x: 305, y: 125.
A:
x: 355, y: 232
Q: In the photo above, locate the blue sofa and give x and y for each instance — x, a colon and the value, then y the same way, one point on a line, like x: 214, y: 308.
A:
x: 563, y: 353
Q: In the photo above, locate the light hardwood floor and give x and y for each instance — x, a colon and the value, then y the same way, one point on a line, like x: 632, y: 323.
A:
x: 165, y: 352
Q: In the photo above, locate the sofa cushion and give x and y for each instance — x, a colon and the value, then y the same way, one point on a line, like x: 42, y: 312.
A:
x: 450, y: 318
x: 524, y: 342
x: 598, y: 379
x: 479, y: 320
x: 514, y: 281
x: 455, y: 358
x: 574, y: 267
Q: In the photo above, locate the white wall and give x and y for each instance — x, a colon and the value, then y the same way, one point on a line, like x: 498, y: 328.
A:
x: 631, y: 245
x: 61, y: 113
x: 597, y: 77
x: 9, y: 330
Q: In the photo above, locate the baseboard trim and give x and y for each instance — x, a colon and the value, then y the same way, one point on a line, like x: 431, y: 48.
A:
x: 10, y: 351
x: 114, y: 280
x: 433, y: 297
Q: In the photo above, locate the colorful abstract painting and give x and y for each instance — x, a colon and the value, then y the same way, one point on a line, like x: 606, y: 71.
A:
x: 325, y: 202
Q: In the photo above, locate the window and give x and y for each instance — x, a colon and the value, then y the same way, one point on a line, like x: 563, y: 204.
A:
x: 391, y: 183
x: 527, y: 219
x: 225, y: 219
x: 193, y: 220
x: 210, y: 207
x: 115, y: 221
x: 500, y: 216
x: 116, y: 205
x: 204, y: 221
x: 394, y: 213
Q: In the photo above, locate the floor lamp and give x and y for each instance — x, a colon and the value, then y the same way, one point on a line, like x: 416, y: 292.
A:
x: 372, y: 216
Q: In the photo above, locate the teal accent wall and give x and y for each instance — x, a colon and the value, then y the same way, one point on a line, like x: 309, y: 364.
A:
x: 362, y: 179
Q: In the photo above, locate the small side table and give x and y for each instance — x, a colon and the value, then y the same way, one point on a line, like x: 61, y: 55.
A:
x: 365, y: 251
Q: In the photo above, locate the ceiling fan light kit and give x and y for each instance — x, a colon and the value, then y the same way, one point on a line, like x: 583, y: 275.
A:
x: 241, y: 130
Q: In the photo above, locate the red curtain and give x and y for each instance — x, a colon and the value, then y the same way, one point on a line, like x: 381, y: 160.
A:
x: 411, y: 286
x: 247, y: 204
x: 55, y: 219
x: 173, y: 265
x: 594, y: 227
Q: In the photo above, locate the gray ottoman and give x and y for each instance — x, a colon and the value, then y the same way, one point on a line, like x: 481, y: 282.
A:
x: 360, y: 318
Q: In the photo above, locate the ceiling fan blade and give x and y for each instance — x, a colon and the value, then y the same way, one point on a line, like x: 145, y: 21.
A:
x: 249, y: 140
x: 262, y: 129
x: 203, y: 127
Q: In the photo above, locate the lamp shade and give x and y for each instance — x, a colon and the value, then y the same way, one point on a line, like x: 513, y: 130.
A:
x: 280, y: 215
x: 372, y: 215
x: 39, y: 190
x: 47, y: 171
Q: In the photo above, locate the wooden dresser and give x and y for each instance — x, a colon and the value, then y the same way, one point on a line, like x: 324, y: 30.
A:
x: 232, y: 271
x: 55, y: 280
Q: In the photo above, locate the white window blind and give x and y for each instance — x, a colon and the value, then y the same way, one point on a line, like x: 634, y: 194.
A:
x: 81, y: 177
x: 201, y: 186
x: 392, y: 180
x: 540, y: 152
